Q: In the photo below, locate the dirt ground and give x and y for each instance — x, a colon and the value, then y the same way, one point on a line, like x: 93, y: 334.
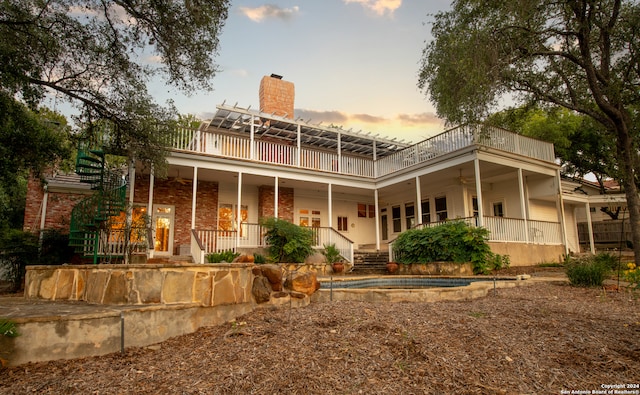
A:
x: 539, y: 339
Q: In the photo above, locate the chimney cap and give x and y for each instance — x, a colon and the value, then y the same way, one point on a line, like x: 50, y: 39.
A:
x: 276, y: 76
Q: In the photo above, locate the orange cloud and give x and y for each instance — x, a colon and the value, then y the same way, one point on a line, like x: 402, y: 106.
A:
x: 379, y: 7
x: 267, y: 11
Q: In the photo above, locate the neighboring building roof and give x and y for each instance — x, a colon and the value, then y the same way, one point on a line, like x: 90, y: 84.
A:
x: 265, y: 126
x: 66, y: 181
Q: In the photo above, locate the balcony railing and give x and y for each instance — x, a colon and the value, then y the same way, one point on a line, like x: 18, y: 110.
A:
x: 206, y: 241
x: 239, y: 147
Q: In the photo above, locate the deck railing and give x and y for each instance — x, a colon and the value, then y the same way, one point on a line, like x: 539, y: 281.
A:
x: 206, y: 241
x: 239, y: 147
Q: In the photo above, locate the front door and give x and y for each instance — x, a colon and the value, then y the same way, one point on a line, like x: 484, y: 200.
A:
x: 163, y: 223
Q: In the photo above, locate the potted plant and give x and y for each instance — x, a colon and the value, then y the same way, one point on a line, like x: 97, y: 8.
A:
x: 392, y: 267
x: 333, y: 258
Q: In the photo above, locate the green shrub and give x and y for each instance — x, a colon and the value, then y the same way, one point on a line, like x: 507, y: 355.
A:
x: 223, y: 256
x: 259, y: 259
x: 8, y: 328
x: 288, y: 243
x: 453, y: 241
x: 331, y: 253
x: 587, y: 271
x: 609, y: 260
x: 17, y: 250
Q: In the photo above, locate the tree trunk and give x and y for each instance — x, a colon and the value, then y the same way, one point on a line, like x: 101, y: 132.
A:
x: 626, y: 155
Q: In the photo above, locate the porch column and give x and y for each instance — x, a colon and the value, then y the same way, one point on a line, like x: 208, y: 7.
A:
x: 330, y: 204
x: 592, y: 247
x: 560, y: 203
x: 129, y: 209
x: 298, y: 154
x: 43, y: 210
x: 375, y: 162
x: 523, y: 212
x: 275, y: 198
x: 150, y: 213
x: 419, y: 201
x: 339, y: 152
x: 239, y: 209
x: 375, y: 200
x: 476, y: 166
x: 193, y: 197
x: 251, y: 138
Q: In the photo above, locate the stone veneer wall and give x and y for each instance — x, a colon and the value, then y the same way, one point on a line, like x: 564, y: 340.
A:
x: 146, y: 284
x: 285, y: 202
x: 178, y: 195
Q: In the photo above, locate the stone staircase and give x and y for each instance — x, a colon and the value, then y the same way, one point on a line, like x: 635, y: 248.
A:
x: 370, y: 262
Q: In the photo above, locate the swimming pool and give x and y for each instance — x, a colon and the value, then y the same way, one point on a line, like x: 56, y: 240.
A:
x: 392, y: 282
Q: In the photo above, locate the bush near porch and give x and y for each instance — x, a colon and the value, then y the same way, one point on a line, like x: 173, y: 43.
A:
x: 453, y: 241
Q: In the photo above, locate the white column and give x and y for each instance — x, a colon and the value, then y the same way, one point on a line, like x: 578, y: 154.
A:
x: 299, y: 147
x: 592, y: 247
x: 275, y: 198
x: 193, y: 197
x: 375, y: 199
x: 523, y: 211
x: 43, y: 208
x: 251, y: 139
x: 150, y: 213
x: 419, y: 201
x: 330, y: 204
x: 476, y: 165
x: 560, y: 203
x: 239, y: 208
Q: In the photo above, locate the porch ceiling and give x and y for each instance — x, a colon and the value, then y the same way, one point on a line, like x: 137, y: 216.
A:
x: 238, y: 120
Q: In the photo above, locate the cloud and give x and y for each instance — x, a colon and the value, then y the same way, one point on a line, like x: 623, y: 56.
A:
x: 326, y: 117
x: 258, y: 14
x: 419, y: 119
x: 379, y: 7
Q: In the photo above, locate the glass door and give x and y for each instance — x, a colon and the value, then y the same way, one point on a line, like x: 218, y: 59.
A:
x: 163, y: 221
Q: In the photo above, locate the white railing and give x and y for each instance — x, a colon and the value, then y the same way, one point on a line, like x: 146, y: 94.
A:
x: 514, y: 229
x: 286, y: 154
x: 206, y: 241
x: 318, y: 160
x: 325, y: 236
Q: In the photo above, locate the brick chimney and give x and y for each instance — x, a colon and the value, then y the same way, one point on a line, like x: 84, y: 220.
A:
x: 276, y: 96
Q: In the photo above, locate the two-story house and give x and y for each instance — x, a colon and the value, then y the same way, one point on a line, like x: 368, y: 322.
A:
x: 354, y: 189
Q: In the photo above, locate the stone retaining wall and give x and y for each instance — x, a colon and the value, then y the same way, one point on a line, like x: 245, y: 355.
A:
x: 145, y: 284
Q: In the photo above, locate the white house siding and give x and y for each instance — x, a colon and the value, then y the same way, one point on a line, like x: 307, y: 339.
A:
x: 543, y: 210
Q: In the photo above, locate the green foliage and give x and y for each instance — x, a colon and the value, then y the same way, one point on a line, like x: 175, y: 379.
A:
x: 223, y: 256
x: 331, y: 253
x: 8, y: 328
x: 17, y: 250
x: 30, y: 141
x: 288, y: 243
x: 610, y: 261
x: 259, y: 259
x: 93, y: 60
x: 453, y: 241
x: 587, y: 271
x: 632, y: 275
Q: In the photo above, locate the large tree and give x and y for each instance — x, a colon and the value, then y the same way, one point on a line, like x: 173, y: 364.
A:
x: 100, y: 55
x: 583, y: 55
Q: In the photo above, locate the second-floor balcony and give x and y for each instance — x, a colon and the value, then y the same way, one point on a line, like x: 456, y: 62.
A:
x: 334, y: 150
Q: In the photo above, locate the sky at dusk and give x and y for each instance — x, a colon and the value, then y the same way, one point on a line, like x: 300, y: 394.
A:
x: 354, y: 63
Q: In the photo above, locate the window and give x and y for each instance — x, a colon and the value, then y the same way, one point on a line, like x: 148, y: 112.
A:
x: 362, y: 210
x: 309, y: 218
x: 410, y: 215
x: 426, y: 212
x: 372, y: 211
x: 228, y: 219
x: 343, y: 224
x: 441, y: 208
x: 474, y: 206
x: 138, y: 230
x: 397, y: 221
x: 498, y: 209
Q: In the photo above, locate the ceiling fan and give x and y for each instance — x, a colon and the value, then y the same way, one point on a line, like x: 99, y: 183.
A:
x: 180, y: 180
x: 462, y: 180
